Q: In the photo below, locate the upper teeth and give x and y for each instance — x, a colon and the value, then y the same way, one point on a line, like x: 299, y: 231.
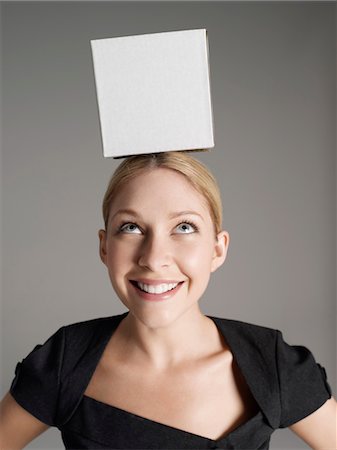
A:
x: 158, y: 289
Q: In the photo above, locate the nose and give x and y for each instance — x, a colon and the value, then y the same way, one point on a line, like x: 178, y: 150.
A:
x: 154, y: 253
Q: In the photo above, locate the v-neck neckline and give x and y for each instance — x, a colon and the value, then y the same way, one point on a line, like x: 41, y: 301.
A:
x: 86, y: 398
x: 103, y: 344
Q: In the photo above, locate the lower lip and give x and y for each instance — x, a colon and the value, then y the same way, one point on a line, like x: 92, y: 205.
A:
x: 157, y: 297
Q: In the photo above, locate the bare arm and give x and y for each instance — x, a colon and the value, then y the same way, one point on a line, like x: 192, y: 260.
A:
x: 17, y: 426
x: 319, y: 429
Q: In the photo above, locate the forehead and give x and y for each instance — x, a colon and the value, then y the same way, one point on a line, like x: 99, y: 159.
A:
x: 165, y: 188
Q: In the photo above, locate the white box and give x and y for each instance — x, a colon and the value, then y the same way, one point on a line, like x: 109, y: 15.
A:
x: 153, y: 92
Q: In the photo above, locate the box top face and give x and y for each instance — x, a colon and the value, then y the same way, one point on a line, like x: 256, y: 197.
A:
x: 153, y: 92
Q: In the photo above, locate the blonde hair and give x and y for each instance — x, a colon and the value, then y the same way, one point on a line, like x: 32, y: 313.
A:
x: 193, y: 170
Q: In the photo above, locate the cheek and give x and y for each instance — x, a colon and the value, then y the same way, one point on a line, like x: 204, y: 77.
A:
x: 197, y: 267
x: 197, y: 259
x: 119, y: 254
x: 118, y: 262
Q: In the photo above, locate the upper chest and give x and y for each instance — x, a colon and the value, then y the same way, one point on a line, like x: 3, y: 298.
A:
x: 209, y: 398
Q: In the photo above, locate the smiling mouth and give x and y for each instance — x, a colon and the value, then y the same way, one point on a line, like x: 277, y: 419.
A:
x: 156, y: 289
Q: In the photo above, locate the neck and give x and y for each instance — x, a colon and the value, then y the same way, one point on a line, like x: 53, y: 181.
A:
x: 188, y: 337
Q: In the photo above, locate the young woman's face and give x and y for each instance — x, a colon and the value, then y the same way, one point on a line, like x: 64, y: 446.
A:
x: 158, y: 240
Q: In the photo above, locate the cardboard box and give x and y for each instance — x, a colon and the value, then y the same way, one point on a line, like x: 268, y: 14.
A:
x: 153, y: 92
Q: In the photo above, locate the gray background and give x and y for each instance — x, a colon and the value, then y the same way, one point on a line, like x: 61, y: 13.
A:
x: 273, y: 89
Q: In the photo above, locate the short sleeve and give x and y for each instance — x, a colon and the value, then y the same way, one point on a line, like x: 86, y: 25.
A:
x: 303, y: 382
x: 37, y: 379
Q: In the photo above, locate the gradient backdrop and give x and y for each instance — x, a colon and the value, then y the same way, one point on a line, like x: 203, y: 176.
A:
x: 273, y: 83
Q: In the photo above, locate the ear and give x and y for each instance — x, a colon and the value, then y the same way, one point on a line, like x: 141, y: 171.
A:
x: 102, y: 245
x: 220, y: 250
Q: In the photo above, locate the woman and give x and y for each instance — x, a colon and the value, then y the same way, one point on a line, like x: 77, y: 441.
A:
x: 164, y: 375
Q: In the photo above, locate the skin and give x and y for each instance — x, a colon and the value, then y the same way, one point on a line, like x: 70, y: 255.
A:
x: 156, y: 247
x: 162, y: 335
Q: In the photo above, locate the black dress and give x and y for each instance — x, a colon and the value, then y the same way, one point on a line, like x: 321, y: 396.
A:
x: 50, y: 382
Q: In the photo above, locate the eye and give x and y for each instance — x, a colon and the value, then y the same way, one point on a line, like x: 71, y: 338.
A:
x: 190, y: 225
x: 129, y: 227
x: 125, y: 226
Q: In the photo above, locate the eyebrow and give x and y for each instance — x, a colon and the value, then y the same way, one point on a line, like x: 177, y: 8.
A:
x: 171, y: 216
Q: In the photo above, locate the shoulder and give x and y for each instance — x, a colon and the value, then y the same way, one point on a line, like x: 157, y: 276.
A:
x: 47, y: 379
x: 86, y: 328
x: 90, y: 324
x: 65, y: 346
x: 253, y: 345
x: 286, y: 378
x: 78, y: 336
x: 241, y: 324
x: 263, y: 342
x: 246, y: 331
